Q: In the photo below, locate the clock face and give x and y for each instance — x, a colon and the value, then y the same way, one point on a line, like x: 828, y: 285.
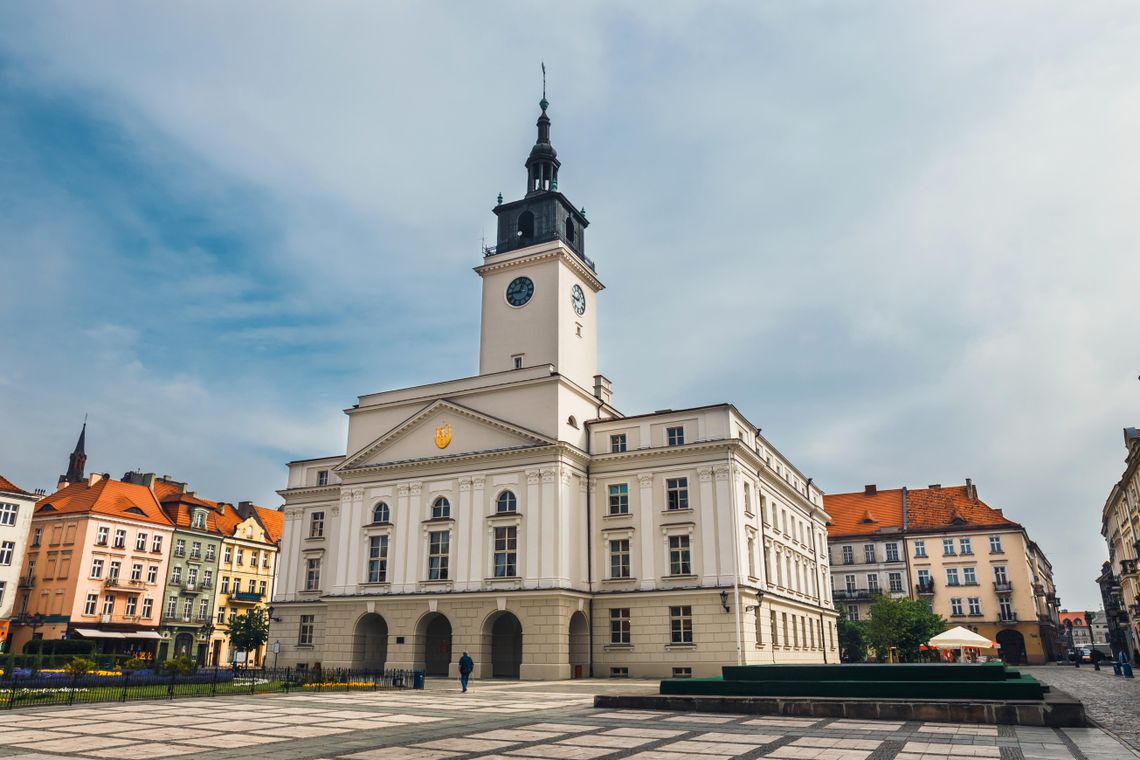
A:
x: 578, y: 298
x: 519, y: 291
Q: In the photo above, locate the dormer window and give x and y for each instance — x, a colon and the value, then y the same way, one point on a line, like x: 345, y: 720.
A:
x: 322, y: 477
x: 198, y: 520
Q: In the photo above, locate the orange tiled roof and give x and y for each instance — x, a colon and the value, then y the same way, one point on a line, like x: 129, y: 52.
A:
x: 951, y: 507
x: 859, y: 514
x: 1077, y: 618
x: 106, y: 497
x: 274, y: 522
x: 9, y: 487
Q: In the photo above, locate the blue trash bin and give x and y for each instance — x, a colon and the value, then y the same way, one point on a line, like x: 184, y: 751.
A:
x: 418, y: 679
x: 1127, y: 669
x: 1116, y: 671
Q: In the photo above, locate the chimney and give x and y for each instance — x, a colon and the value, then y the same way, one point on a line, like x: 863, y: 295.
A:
x: 245, y: 509
x: 971, y: 490
x: 603, y: 388
x: 870, y: 490
x: 94, y: 478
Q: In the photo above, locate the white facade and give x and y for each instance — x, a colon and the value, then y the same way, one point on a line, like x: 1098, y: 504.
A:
x: 517, y: 515
x: 15, y: 521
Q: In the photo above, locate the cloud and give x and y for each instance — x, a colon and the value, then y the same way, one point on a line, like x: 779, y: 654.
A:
x: 898, y: 237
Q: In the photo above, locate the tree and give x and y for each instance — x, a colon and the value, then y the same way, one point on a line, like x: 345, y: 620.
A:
x: 248, y: 631
x: 904, y: 624
x: 852, y: 639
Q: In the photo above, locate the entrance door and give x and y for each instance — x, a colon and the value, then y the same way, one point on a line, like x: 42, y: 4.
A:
x: 506, y: 646
x: 437, y: 645
x: 370, y: 643
x: 579, y: 646
x: 1012, y: 647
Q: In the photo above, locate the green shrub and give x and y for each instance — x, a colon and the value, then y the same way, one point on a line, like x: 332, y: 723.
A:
x: 134, y: 663
x: 79, y: 666
x: 60, y: 647
x: 179, y: 665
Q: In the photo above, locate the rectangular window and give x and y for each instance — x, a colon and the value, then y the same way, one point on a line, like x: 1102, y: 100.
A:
x: 148, y: 607
x: 952, y: 576
x: 225, y: 584
x: 920, y: 548
x: 619, y: 625
x: 8, y: 513
x: 619, y: 558
x: 136, y: 571
x: 196, y: 550
x: 192, y: 576
x: 947, y: 547
x: 305, y: 636
x: 221, y: 615
x: 924, y: 579
x: 869, y: 553
x: 97, y: 567
x: 317, y: 525
x: 895, y: 581
x: 132, y: 606
x: 207, y: 578
x: 140, y: 542
x: 892, y: 552
x: 377, y: 559
x: 995, y: 545
x: 261, y: 588
x: 203, y: 611
x: 619, y: 672
x: 506, y: 552
x: 955, y: 606
x: 199, y: 520
x: 252, y: 586
x: 848, y: 555
x: 37, y: 536
x: 1005, y: 609
x: 617, y: 443
x: 681, y: 624
x: 152, y: 574
x: 240, y: 556
x: 969, y: 576
x: 100, y: 536
x: 120, y: 538
x: 228, y: 555
x: 679, y: 560
x: 619, y: 499
x: 975, y: 605
x: 677, y: 493
x: 90, y: 605
x: 187, y: 610
x: 849, y: 583
x: 682, y: 672
x: 964, y: 546
x: 873, y: 583
x: 176, y: 574
x: 180, y: 547
x: 675, y: 436
x: 322, y: 477
x: 211, y: 552
x: 439, y: 549
x: 156, y: 544
x: 312, y: 574
x: 108, y: 604
x: 7, y: 549
x: 1000, y: 576
x: 113, y: 570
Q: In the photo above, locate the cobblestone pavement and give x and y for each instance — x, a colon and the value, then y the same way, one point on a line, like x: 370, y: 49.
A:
x: 502, y: 721
x: 1112, y: 701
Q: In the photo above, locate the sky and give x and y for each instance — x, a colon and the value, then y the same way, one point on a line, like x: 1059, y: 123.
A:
x: 901, y: 237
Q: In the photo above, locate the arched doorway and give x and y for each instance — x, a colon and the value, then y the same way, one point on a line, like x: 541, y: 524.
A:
x: 1012, y: 647
x: 183, y: 645
x: 370, y: 643
x: 434, y: 636
x: 579, y: 646
x: 506, y: 646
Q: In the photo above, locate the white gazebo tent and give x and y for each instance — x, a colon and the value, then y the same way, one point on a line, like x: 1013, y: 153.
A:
x: 960, y: 638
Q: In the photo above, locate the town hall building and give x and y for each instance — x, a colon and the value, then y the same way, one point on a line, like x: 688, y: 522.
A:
x: 519, y: 516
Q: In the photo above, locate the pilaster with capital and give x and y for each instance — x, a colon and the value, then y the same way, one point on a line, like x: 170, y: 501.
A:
x: 405, y: 525
x: 647, y: 575
x: 478, y: 519
x: 533, y: 523
x: 464, y: 519
x: 550, y: 527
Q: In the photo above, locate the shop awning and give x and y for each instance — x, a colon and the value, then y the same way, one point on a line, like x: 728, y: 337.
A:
x: 94, y: 633
x: 144, y: 635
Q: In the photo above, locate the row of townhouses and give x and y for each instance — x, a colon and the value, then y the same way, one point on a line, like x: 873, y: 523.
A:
x: 1119, y: 577
x: 977, y: 568
x: 140, y: 565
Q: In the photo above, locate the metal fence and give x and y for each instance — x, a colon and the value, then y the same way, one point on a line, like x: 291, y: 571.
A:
x: 22, y: 688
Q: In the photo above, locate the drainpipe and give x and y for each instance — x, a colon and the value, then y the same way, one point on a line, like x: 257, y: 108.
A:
x: 589, y: 570
x: 906, y: 553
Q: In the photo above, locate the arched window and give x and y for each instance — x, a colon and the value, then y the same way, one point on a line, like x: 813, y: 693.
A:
x: 381, y: 513
x: 506, y: 502
x: 526, y: 225
x: 569, y: 230
x: 441, y: 507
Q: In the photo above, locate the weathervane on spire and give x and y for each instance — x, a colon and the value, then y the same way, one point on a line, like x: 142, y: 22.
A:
x: 544, y: 103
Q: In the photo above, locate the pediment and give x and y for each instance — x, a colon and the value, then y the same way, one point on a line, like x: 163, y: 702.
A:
x: 443, y: 429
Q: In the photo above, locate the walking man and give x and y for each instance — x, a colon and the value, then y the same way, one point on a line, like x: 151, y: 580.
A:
x: 466, y: 665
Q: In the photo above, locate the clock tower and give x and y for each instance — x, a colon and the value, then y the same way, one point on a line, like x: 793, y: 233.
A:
x: 539, y: 288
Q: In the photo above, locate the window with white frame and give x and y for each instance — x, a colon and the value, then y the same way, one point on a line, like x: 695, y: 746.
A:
x: 199, y: 520
x: 225, y: 584
x: 506, y: 552
x: 947, y: 547
x: 176, y: 574
x: 1001, y: 577
x: 617, y: 443
x: 952, y: 576
x: 440, y: 508
x: 895, y: 581
x: 965, y: 546
x: 7, y: 549
x: 108, y: 604
x: 152, y: 574
x: 439, y: 551
x: 113, y: 570
x: 90, y: 604
x: 873, y: 583
x: 156, y: 544
x: 619, y: 625
x: 869, y: 553
x: 679, y: 556
x: 120, y: 538
x: 37, y: 536
x: 969, y: 576
x: 1005, y: 609
x: 849, y: 583
x: 228, y: 555
x: 322, y: 477
x: 8, y: 513
x: 132, y: 606
x: 101, y: 535
x: 955, y: 606
x: 681, y: 624
x: 196, y: 550
x: 848, y: 555
x: 179, y: 547
x: 221, y: 615
x: 676, y: 493
x: 317, y: 525
x: 313, y: 574
x: 892, y: 552
x: 619, y: 499
x: 305, y: 635
x: 995, y: 545
x: 211, y: 552
x: 619, y: 558
x: 140, y: 542
x: 97, y: 567
x: 675, y: 436
x: 507, y: 502
x: 377, y: 559
x: 204, y: 610
x: 975, y: 605
x: 852, y: 614
x: 920, y: 548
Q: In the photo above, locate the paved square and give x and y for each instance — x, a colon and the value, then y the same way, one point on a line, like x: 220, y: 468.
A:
x: 508, y: 720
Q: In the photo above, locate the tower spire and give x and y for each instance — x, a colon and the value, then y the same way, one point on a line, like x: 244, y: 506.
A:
x: 78, y: 459
x: 542, y: 163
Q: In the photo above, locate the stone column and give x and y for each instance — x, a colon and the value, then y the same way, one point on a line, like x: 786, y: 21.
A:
x: 533, y: 526
x: 709, y: 527
x: 402, y: 536
x: 647, y: 574
x: 464, y: 518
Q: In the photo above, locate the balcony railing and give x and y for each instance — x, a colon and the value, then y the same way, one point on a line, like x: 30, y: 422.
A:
x: 1007, y: 617
x: 247, y: 596
x: 924, y: 588
x: 27, y: 581
x: 859, y: 593
x: 1003, y: 587
x: 1127, y: 567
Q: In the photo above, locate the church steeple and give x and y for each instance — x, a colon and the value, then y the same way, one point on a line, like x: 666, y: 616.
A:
x: 77, y: 461
x: 542, y: 163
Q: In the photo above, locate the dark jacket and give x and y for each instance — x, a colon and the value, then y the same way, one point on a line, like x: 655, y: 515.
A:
x: 466, y: 664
